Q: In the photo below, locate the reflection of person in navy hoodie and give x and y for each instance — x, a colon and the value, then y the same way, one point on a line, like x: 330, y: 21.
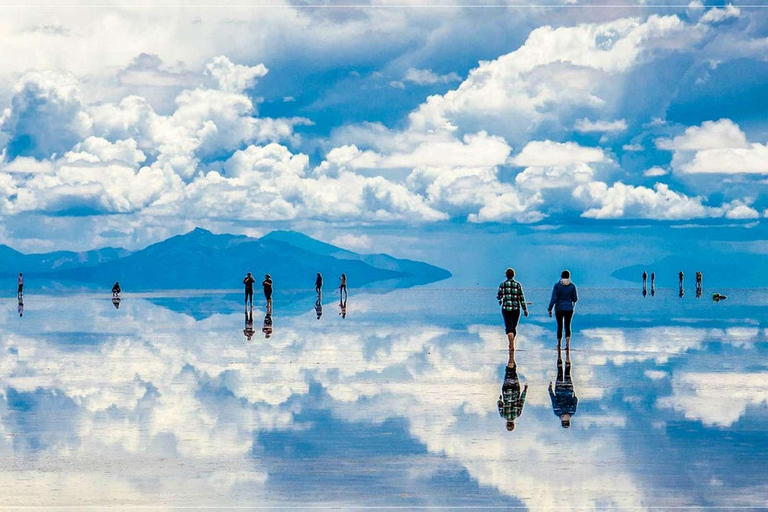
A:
x: 564, y: 400
x: 564, y: 297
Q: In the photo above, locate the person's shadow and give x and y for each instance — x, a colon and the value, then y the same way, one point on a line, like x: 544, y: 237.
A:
x: 512, y: 399
x: 267, y: 328
x: 564, y: 400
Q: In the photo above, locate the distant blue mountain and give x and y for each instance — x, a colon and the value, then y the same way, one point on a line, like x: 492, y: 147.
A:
x: 203, y: 260
x: 416, y: 272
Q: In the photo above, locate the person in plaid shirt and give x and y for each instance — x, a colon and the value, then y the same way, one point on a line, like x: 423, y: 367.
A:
x: 512, y: 300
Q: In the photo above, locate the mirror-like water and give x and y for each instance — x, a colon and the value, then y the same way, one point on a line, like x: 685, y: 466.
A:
x: 165, y: 401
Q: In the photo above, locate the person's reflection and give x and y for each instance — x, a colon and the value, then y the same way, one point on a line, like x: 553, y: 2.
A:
x: 116, y: 302
x: 319, y: 307
x: 511, y: 400
x: 21, y: 306
x: 682, y: 292
x: 564, y: 400
x: 343, y: 307
x: 248, y: 331
x: 267, y: 329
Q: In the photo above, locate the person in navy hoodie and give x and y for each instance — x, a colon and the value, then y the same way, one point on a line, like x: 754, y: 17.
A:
x: 563, y: 299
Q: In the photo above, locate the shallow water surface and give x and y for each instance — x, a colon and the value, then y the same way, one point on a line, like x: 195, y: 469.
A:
x: 166, y: 402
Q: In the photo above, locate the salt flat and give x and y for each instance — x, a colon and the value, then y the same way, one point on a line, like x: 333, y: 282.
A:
x: 165, y: 403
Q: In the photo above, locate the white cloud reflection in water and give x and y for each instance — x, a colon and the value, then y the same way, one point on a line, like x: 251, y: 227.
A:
x: 145, y: 405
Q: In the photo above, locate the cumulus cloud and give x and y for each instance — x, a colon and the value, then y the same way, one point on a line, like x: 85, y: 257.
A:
x: 717, y: 15
x: 45, y: 117
x: 716, y: 147
x: 556, y: 165
x: 233, y: 77
x: 619, y: 200
x: 555, y: 74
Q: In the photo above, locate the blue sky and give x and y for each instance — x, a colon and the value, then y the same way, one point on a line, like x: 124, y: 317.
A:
x: 124, y: 125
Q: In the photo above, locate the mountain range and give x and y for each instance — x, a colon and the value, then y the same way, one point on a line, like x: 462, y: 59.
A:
x: 204, y: 260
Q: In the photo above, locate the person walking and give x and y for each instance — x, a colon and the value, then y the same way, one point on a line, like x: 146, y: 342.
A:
x: 564, y: 298
x: 645, y: 279
x: 564, y: 399
x: 20, y: 291
x: 681, y: 279
x: 267, y: 285
x: 248, y: 282
x: 699, y: 284
x: 512, y: 301
x: 116, y: 289
x: 653, y: 284
x: 319, y: 284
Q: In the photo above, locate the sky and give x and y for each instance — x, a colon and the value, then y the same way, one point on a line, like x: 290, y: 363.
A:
x: 123, y: 124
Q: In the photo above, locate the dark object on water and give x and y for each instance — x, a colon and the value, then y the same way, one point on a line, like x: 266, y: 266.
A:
x: 717, y: 297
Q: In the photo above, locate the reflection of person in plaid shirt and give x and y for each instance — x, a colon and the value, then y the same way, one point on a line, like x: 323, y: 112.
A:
x: 512, y: 300
x: 511, y: 401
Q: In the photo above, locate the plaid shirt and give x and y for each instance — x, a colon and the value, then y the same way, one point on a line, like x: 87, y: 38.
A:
x: 511, y: 296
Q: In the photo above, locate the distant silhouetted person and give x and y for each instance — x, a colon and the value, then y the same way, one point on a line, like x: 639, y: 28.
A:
x: 20, y: 292
x: 319, y: 307
x: 564, y: 298
x: 248, y: 282
x: 717, y: 297
x: 267, y: 285
x: 116, y: 289
x: 248, y: 331
x: 653, y: 284
x: 645, y: 278
x: 21, y: 307
x: 319, y: 283
x: 511, y: 401
x: 564, y: 400
x: 699, y: 283
x: 681, y: 278
x: 267, y: 329
x: 512, y: 300
x: 343, y: 285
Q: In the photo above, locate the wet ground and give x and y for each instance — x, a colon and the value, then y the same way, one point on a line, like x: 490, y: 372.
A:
x: 164, y: 402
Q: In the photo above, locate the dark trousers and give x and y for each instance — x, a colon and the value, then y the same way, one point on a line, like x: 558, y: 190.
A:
x: 563, y: 319
x: 249, y: 295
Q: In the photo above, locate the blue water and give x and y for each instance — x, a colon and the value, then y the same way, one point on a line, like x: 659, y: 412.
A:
x: 165, y: 402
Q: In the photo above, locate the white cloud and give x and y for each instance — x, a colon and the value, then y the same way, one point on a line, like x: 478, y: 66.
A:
x: 716, y: 147
x: 557, y: 72
x: 234, y: 77
x: 716, y: 15
x: 699, y: 395
x: 587, y: 126
x: 655, y: 171
x: 632, y: 147
x: 548, y: 153
x: 350, y: 241
x: 428, y: 77
x: 627, y: 201
x: 721, y: 134
x: 741, y: 211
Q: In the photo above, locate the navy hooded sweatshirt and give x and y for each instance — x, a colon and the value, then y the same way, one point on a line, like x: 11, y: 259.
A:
x: 564, y: 296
